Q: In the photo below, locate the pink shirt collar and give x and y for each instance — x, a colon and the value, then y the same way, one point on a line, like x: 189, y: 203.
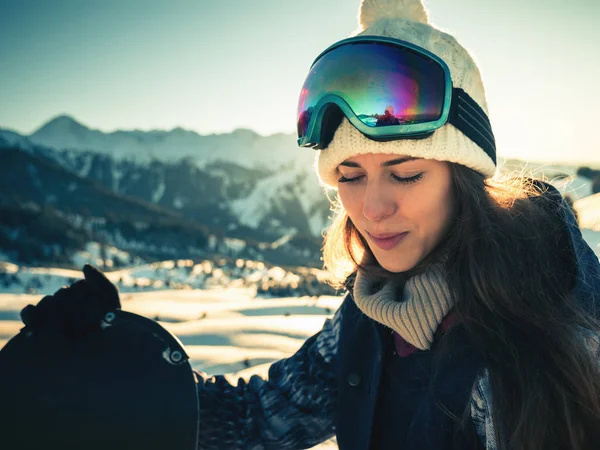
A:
x: 404, y: 348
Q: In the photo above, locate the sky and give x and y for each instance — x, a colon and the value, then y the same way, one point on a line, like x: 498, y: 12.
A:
x: 214, y: 66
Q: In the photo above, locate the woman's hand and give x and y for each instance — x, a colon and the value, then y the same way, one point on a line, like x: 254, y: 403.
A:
x: 75, y: 310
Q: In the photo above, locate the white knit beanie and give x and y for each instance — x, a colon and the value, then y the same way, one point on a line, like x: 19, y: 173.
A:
x: 408, y: 20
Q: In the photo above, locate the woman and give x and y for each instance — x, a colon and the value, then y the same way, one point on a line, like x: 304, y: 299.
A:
x: 470, y: 318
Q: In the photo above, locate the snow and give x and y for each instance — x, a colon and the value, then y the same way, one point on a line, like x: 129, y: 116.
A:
x: 252, y: 209
x: 87, y: 165
x: 291, y: 181
x: 157, y: 195
x: 282, y: 240
x: 593, y: 239
x: 562, y: 176
x: 12, y: 139
x: 588, y: 212
x: 318, y: 224
x: 573, y: 186
x: 118, y: 174
x: 103, y: 256
x: 230, y: 318
x: 293, y: 173
x: 178, y: 202
x: 233, y: 245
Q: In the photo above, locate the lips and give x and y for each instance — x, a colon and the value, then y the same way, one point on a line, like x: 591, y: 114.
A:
x: 387, y: 241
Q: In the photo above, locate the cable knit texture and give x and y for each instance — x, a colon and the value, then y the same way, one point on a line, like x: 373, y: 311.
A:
x: 414, y: 313
x: 407, y: 20
x: 374, y: 10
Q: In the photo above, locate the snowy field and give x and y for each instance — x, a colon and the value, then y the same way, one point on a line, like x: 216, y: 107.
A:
x: 224, y: 330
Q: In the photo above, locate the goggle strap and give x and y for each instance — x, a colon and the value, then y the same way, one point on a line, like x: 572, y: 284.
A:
x: 470, y: 119
x: 467, y: 102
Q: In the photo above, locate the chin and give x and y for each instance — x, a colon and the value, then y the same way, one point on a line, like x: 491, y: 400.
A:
x: 395, y: 266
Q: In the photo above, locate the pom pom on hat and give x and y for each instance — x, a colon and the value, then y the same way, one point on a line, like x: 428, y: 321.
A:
x: 373, y: 10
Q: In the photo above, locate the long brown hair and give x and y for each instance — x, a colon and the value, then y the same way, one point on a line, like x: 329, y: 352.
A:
x: 511, y: 270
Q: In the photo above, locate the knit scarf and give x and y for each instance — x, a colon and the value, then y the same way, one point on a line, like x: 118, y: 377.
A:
x: 414, y: 310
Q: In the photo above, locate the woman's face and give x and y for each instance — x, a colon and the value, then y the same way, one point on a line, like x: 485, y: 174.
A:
x: 402, y: 206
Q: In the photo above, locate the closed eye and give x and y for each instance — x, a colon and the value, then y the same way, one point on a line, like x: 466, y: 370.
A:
x: 343, y: 179
x: 408, y: 180
x: 404, y: 180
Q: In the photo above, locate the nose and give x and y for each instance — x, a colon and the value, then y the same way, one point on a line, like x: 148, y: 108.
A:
x: 377, y: 203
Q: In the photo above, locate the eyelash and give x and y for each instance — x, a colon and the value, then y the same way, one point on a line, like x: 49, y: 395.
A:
x: 407, y: 180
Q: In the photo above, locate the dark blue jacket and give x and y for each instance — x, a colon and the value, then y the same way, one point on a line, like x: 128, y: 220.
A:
x: 390, y: 402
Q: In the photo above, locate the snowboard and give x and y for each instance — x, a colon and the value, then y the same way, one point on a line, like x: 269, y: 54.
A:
x: 129, y: 386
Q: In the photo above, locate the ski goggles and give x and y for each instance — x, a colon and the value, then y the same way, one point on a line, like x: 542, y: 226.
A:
x: 388, y: 89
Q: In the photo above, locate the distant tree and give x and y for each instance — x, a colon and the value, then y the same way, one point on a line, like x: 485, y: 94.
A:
x: 585, y: 172
x: 596, y: 184
x: 103, y: 254
x: 588, y: 172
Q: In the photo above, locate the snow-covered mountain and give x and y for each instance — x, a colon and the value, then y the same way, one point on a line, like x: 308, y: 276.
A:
x: 588, y: 210
x: 244, y: 147
x: 269, y: 182
x: 277, y: 195
x: 48, y: 212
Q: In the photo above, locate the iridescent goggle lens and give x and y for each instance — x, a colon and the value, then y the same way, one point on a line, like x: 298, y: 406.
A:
x: 384, y: 84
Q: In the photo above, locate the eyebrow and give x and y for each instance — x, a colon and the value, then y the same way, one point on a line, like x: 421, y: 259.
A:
x: 392, y: 162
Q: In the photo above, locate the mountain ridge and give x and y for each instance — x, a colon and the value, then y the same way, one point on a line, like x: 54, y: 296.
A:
x: 241, y: 145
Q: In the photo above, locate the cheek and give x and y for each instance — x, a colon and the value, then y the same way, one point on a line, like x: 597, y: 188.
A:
x: 433, y: 216
x: 350, y: 201
x: 439, y: 216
